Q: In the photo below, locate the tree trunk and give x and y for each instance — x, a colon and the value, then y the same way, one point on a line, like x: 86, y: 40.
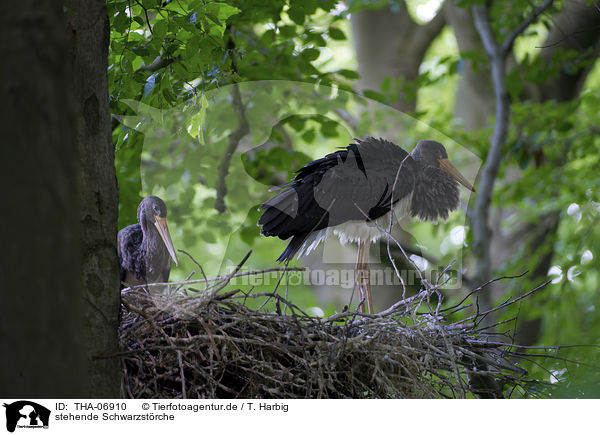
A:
x: 88, y: 29
x: 389, y: 43
x: 41, y: 311
x: 475, y: 96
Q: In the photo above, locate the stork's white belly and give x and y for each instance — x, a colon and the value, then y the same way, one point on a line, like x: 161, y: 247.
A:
x: 356, y: 230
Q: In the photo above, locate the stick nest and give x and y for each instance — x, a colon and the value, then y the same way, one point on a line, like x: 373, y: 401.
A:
x: 211, y: 345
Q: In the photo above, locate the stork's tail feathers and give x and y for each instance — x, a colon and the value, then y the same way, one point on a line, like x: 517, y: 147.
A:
x: 274, y: 221
x: 293, y: 247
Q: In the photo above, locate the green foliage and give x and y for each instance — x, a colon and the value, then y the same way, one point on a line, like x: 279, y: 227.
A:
x: 165, y: 53
x: 171, y: 64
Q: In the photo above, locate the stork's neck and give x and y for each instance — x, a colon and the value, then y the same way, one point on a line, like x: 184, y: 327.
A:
x: 152, y: 242
x: 154, y: 248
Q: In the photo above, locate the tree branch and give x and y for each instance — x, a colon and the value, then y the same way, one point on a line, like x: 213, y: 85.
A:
x: 480, y: 212
x: 234, y: 140
x: 146, y: 15
x: 158, y: 63
x: 497, y: 53
x: 484, y: 28
x: 510, y: 39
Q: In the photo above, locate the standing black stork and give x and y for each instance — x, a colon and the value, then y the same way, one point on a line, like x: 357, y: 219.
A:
x: 351, y: 192
x: 144, y: 248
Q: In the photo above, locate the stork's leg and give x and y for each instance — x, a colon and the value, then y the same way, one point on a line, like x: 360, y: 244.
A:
x: 363, y: 278
x: 360, y: 276
x: 366, y: 258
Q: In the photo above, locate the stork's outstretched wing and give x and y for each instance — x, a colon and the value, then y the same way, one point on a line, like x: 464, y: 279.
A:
x: 353, y: 184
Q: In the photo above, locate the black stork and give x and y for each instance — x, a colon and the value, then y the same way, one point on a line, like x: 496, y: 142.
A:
x: 350, y: 193
x: 145, y: 248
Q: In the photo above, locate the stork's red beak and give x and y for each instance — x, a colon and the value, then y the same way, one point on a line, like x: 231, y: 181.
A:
x: 163, y: 230
x: 447, y: 166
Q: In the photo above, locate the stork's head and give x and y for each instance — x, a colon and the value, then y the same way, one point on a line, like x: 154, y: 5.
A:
x: 153, y: 210
x: 432, y: 153
x: 151, y: 206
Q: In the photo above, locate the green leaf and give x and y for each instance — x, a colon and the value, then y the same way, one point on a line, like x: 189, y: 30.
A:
x: 249, y: 234
x: 329, y: 129
x: 222, y: 11
x: 212, y: 28
x: 120, y: 22
x: 311, y: 54
x: 297, y: 14
x: 159, y: 30
x: 514, y: 84
x: 563, y: 125
x: 348, y: 73
x: 268, y: 37
x: 139, y: 20
x: 316, y: 38
x: 209, y: 237
x: 288, y: 31
x: 386, y: 84
x: 309, y: 135
x: 191, y: 46
x: 296, y: 122
x: 336, y: 34
x: 373, y: 95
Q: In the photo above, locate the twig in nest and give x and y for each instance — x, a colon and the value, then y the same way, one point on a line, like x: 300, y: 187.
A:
x: 232, y: 274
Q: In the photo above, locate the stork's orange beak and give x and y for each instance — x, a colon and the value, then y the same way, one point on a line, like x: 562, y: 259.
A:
x: 447, y: 166
x: 163, y: 230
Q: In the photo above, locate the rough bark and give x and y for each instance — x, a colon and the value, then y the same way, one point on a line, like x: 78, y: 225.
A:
x: 87, y: 26
x: 40, y: 320
x: 389, y: 43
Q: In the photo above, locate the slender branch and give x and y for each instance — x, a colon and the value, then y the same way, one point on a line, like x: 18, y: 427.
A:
x: 158, y: 64
x: 228, y: 278
x: 197, y: 264
x: 510, y: 39
x: 497, y: 53
x: 146, y: 15
x: 413, y: 250
x: 234, y: 139
x: 235, y: 136
x: 484, y: 28
x: 479, y: 214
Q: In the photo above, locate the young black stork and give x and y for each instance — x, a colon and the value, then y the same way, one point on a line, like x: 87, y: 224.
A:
x: 145, y: 248
x: 350, y: 193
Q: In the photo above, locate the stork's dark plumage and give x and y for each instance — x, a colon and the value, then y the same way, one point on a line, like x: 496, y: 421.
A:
x: 351, y: 192
x: 146, y: 249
